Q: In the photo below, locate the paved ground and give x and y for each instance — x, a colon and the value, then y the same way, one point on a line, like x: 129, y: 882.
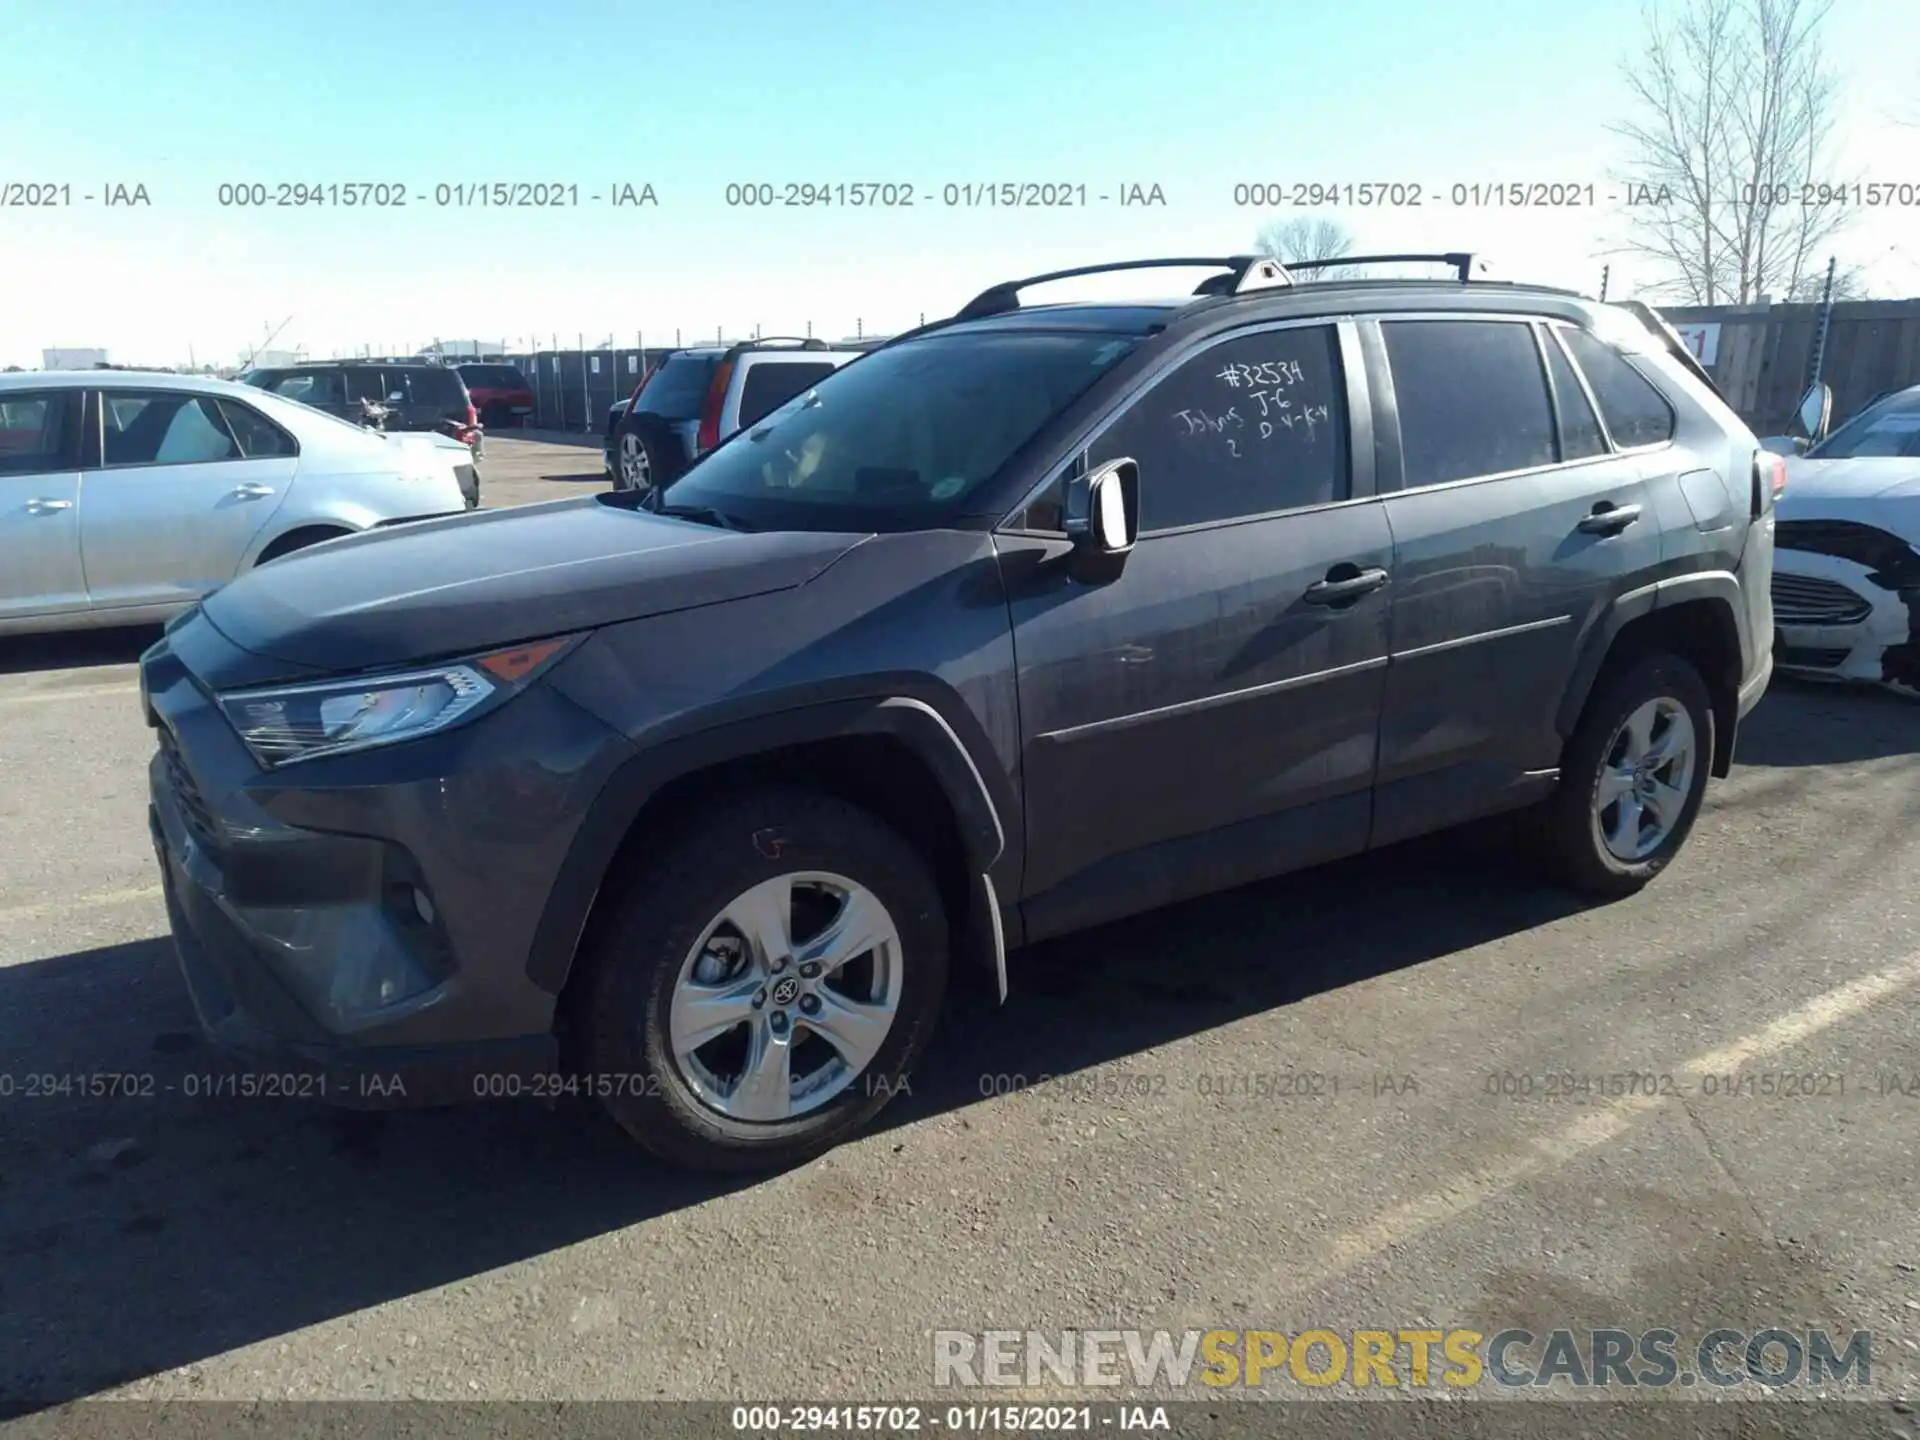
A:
x: 177, y: 1246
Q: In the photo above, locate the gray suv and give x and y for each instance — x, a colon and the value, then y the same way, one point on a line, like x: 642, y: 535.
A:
x: 1031, y: 619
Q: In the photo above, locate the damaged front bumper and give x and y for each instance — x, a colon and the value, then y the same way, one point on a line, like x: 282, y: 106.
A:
x: 1846, y: 604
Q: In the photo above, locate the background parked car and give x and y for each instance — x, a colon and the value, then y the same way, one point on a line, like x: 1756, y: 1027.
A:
x: 694, y: 399
x: 1846, y: 585
x: 501, y: 394
x: 125, y: 497
x: 420, y: 396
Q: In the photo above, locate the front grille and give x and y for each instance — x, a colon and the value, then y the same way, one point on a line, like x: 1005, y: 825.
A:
x: 1811, y: 657
x: 185, y: 793
x: 1806, y: 600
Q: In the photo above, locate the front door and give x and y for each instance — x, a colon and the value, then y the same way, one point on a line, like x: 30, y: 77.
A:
x: 173, y: 501
x: 1208, y: 714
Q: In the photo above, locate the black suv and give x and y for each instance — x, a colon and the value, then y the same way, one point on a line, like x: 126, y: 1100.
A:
x: 1027, y: 620
x: 421, y: 396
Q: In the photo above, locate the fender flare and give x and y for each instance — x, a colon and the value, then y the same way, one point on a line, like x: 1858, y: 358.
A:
x: 925, y: 727
x: 1719, y: 587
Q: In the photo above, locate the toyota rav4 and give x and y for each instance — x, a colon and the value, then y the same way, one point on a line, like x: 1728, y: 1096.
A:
x: 1027, y: 620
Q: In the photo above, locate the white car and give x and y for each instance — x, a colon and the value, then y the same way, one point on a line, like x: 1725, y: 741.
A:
x: 1846, y: 567
x: 126, y: 496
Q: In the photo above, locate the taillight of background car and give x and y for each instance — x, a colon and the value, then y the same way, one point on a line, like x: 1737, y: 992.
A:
x: 1769, y: 480
x: 709, y: 434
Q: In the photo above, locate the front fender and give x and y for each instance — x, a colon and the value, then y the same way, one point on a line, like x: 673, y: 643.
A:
x: 931, y: 729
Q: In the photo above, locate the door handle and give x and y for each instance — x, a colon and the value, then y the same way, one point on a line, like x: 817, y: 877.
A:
x: 1344, y: 583
x: 48, y: 507
x: 252, y: 490
x: 1608, y: 518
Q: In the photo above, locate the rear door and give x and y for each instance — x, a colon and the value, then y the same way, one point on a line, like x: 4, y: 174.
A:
x: 40, y: 570
x: 1515, y: 525
x: 170, y: 499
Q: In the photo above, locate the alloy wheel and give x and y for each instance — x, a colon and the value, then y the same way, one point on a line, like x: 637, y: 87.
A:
x: 1645, y: 779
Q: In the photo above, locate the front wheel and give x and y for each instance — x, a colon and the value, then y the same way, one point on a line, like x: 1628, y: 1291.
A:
x: 1633, y: 778
x: 763, y: 984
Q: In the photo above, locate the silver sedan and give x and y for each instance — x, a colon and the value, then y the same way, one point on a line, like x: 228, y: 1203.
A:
x: 126, y: 496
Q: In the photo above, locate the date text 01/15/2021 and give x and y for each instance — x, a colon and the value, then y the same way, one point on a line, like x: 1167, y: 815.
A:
x: 963, y: 1419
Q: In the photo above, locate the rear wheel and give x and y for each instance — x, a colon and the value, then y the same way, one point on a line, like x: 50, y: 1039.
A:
x: 762, y: 984
x: 1633, y: 779
x: 637, y: 461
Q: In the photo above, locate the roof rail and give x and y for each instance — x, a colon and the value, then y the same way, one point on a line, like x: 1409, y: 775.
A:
x: 1244, y: 272
x: 805, y: 342
x: 1460, y: 260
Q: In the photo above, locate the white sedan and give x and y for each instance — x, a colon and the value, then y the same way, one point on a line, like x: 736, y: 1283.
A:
x: 126, y: 496
x: 1846, y: 569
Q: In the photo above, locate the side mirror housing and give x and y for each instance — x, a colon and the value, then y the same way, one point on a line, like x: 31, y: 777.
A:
x: 1801, y: 444
x: 1103, y: 510
x: 1815, y: 412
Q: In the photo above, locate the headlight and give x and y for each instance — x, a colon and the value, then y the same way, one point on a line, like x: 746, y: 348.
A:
x: 289, y: 723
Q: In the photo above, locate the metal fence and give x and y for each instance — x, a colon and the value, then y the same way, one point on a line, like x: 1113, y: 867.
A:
x: 1763, y: 356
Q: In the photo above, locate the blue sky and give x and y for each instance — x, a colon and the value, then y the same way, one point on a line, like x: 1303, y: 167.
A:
x: 1193, y: 97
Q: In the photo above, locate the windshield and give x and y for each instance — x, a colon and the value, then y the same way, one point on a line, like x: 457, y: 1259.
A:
x: 1890, y: 428
x: 897, y: 439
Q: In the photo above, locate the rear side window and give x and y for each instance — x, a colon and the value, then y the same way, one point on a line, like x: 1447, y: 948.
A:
x: 364, y: 383
x: 311, y: 387
x: 678, y: 388
x: 494, y: 377
x: 1636, y: 413
x: 1472, y: 398
x: 258, y: 436
x: 1255, y: 424
x: 1580, y: 435
x: 771, y: 383
x: 36, y: 431
x: 163, y: 428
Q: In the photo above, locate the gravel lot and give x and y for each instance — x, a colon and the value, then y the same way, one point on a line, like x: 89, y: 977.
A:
x: 177, y: 1246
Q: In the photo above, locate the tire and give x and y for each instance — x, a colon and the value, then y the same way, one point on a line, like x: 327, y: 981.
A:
x: 1572, y: 824
x: 640, y: 461
x: 637, y: 955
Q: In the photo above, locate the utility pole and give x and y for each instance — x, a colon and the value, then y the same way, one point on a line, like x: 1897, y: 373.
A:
x: 1819, y: 356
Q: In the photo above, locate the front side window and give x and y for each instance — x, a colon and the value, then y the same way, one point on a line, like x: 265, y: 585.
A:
x: 36, y: 431
x: 319, y: 388
x: 1635, y: 412
x: 901, y: 438
x: 1254, y: 424
x: 163, y: 428
x: 1472, y: 398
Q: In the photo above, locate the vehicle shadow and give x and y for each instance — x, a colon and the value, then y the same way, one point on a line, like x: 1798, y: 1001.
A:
x: 142, y: 1231
x: 1829, y: 725
x: 74, y: 649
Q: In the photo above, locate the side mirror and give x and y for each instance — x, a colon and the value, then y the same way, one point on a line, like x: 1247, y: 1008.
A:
x: 1801, y: 445
x: 1815, y: 412
x: 1103, y: 510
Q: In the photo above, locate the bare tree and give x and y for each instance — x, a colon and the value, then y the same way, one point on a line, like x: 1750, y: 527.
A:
x: 1731, y: 132
x: 1309, y: 237
x: 1849, y: 283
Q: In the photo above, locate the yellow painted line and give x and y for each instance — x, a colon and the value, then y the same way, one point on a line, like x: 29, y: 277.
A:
x: 91, y: 692
x: 1474, y: 1188
x: 95, y: 900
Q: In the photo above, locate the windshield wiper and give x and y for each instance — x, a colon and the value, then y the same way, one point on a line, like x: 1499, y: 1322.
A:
x: 701, y: 514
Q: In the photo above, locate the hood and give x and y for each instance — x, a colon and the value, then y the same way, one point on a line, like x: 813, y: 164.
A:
x: 1857, y: 479
x: 470, y: 582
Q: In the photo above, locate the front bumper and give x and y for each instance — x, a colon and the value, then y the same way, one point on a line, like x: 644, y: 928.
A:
x: 295, y: 899
x: 1821, y: 636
